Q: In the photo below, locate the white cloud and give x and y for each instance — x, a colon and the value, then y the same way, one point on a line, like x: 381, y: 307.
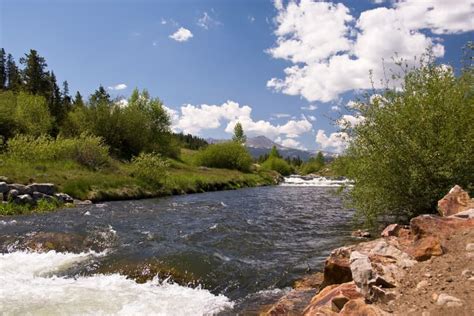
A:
x: 335, y: 108
x: 291, y: 143
x: 335, y: 142
x: 332, y: 52
x: 310, y: 107
x: 163, y: 21
x: 350, y: 120
x: 181, y: 35
x: 251, y: 18
x: 123, y: 103
x: 195, y: 119
x: 206, y: 21
x: 281, y: 115
x: 120, y: 86
x: 312, y: 118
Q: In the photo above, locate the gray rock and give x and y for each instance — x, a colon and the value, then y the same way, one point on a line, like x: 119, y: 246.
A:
x: 3, y: 179
x: 22, y: 189
x: 41, y: 196
x: 24, y: 199
x: 382, y: 248
x: 361, y: 270
x: 64, y: 198
x: 45, y: 188
x: 12, y: 194
x: 448, y: 300
x: 4, y: 187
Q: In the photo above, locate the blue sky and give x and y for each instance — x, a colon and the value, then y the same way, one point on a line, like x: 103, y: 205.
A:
x: 279, y: 67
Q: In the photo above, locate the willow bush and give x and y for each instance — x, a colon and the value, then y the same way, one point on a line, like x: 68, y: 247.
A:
x: 414, y: 144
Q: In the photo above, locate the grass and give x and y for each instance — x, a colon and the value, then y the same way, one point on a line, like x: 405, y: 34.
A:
x: 42, y: 206
x: 116, y: 183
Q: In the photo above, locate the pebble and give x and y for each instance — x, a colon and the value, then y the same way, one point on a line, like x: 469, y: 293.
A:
x: 466, y: 273
x: 449, y: 279
x: 427, y: 275
x: 421, y: 284
x: 470, y: 247
x: 448, y: 300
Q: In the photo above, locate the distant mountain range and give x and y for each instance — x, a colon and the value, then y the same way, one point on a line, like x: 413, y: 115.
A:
x: 261, y: 145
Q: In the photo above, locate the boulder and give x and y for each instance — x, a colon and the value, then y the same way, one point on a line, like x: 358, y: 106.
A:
x: 64, y: 198
x: 12, y: 194
x: 312, y: 281
x: 426, y: 247
x: 457, y: 200
x: 337, y: 267
x: 395, y: 230
x: 292, y: 303
x: 332, y: 299
x: 4, y: 187
x: 442, y: 227
x: 24, y: 199
x: 22, y: 189
x: 41, y: 196
x: 360, y: 234
x: 359, y: 307
x: 361, y: 270
x: 468, y: 214
x: 45, y: 188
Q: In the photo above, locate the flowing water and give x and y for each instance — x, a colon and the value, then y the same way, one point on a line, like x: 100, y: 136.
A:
x: 240, y: 247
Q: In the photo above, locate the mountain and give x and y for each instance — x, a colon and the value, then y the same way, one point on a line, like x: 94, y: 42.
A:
x: 261, y: 145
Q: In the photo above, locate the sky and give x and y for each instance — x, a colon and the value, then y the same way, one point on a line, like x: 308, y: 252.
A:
x: 284, y: 69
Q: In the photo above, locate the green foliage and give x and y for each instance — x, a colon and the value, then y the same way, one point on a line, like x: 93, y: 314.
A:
x: 190, y: 142
x: 274, y: 153
x: 31, y: 115
x: 149, y: 167
x: 41, y: 206
x: 313, y: 165
x: 279, y: 165
x: 239, y: 136
x: 228, y: 155
x: 8, y: 123
x: 414, y: 145
x: 87, y: 150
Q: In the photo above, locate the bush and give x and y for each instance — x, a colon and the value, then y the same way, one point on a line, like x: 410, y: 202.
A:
x: 279, y: 165
x: 150, y: 168
x: 87, y: 150
x: 228, y: 155
x: 32, y: 115
x: 414, y: 144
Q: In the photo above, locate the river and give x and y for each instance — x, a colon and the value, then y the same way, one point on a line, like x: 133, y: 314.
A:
x: 240, y: 247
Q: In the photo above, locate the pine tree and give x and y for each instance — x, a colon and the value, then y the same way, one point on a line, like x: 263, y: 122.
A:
x: 34, y: 74
x: 78, y: 102
x: 274, y: 152
x: 239, y: 136
x: 66, y: 98
x: 3, y: 70
x: 13, y: 75
x: 320, y: 158
x: 55, y: 105
x: 100, y: 96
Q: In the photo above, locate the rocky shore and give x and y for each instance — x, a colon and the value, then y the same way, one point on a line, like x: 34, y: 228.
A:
x: 425, y: 268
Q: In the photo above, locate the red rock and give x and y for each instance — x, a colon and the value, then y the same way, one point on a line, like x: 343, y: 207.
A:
x: 312, y: 281
x: 457, y: 200
x: 292, y: 303
x: 331, y: 299
x: 337, y: 267
x: 359, y: 307
x: 395, y: 230
x: 441, y: 227
x: 426, y: 247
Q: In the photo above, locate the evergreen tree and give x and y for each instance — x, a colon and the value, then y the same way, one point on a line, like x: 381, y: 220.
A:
x: 13, y: 75
x: 78, y: 102
x: 3, y: 70
x: 66, y: 98
x: 274, y: 152
x: 34, y: 74
x: 100, y: 96
x: 239, y: 136
x: 320, y: 158
x: 55, y: 103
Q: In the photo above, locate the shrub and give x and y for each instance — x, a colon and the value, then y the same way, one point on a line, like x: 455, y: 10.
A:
x: 228, y: 155
x: 150, y: 168
x: 279, y: 165
x: 414, y: 144
x: 87, y: 150
x: 32, y: 115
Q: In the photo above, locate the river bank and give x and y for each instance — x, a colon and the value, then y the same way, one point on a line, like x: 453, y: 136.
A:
x: 426, y: 268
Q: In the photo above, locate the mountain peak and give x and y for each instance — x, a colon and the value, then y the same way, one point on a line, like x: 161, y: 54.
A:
x: 262, y: 142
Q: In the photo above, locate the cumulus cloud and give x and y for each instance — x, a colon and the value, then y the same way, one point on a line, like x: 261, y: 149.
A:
x: 291, y: 143
x: 120, y: 86
x: 332, y: 51
x: 181, y: 35
x: 312, y: 118
x: 194, y: 119
x: 310, y: 107
x: 335, y: 142
x: 350, y: 120
x: 335, y: 108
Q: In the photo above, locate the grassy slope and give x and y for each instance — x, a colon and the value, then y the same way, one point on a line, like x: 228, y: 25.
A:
x: 115, y: 182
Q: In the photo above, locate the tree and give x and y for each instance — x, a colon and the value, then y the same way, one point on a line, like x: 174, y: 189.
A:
x: 239, y: 136
x: 78, y: 101
x: 55, y: 103
x: 13, y: 75
x: 414, y: 144
x: 3, y: 70
x: 32, y: 115
x: 34, y: 73
x: 66, y: 98
x: 320, y: 158
x: 274, y: 152
x: 100, y: 96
